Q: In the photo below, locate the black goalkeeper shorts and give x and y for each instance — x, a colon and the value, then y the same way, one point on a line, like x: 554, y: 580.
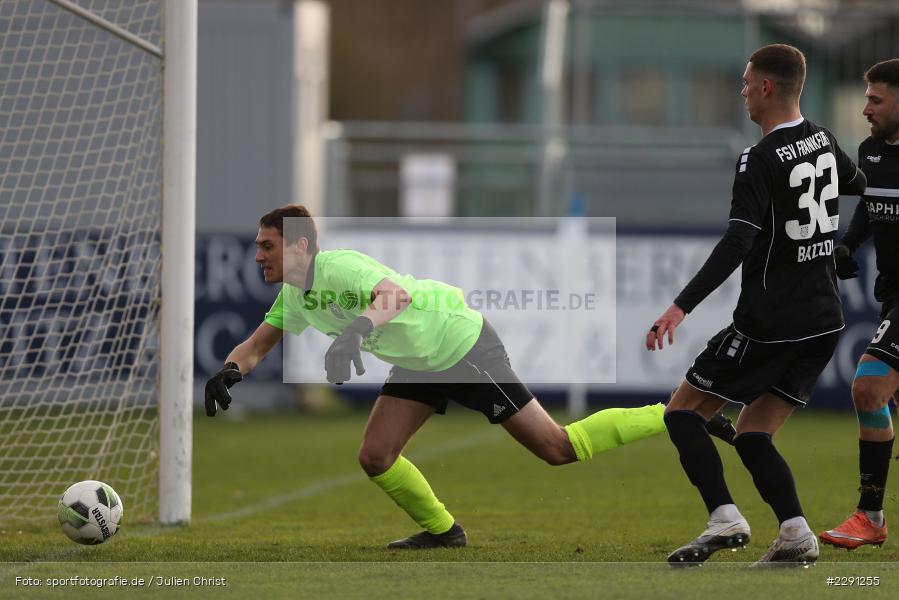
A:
x: 885, y: 343
x: 483, y: 380
x: 738, y: 369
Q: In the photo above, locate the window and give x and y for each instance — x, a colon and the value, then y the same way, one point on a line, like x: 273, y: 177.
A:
x: 510, y: 93
x: 644, y: 96
x: 714, y: 99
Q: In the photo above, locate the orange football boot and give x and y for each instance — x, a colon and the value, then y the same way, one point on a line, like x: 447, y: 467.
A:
x: 856, y: 531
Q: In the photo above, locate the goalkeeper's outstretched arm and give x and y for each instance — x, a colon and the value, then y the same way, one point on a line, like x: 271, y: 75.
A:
x: 248, y: 353
x: 240, y: 361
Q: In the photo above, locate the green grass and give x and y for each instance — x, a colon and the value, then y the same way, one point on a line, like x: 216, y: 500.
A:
x: 287, y: 491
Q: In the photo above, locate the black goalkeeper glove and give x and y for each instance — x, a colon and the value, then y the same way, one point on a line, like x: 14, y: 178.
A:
x: 217, y: 388
x: 846, y: 266
x: 346, y: 349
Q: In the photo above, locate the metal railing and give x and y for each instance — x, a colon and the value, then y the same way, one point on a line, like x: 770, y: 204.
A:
x: 497, y: 165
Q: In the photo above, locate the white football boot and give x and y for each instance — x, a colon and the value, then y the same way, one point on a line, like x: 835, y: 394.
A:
x: 717, y: 536
x: 800, y: 552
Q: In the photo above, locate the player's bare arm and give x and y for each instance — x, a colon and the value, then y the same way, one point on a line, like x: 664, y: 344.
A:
x: 388, y: 299
x: 248, y: 353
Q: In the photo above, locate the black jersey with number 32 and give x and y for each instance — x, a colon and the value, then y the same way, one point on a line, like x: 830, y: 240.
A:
x: 787, y: 186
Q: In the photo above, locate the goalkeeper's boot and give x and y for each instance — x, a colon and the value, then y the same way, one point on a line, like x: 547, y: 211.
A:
x: 717, y: 536
x: 722, y: 428
x: 453, y: 538
x: 855, y: 531
x: 801, y: 552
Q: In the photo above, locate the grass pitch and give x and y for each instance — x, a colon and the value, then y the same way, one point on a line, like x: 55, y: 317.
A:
x: 281, y: 507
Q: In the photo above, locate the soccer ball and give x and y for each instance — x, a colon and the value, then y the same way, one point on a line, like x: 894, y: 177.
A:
x: 89, y: 512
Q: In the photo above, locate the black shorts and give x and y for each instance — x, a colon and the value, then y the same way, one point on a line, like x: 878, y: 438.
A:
x: 735, y: 368
x: 885, y: 343
x: 483, y: 380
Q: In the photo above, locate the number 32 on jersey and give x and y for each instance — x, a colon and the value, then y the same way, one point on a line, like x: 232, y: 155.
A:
x: 817, y: 209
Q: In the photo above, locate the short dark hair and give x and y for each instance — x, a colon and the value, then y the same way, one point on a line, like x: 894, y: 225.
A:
x: 306, y: 228
x: 785, y: 64
x: 886, y: 71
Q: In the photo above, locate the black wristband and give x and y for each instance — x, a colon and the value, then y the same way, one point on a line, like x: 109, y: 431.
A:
x: 231, y: 365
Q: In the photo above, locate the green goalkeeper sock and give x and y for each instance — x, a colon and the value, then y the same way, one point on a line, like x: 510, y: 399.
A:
x: 614, y: 427
x: 411, y: 492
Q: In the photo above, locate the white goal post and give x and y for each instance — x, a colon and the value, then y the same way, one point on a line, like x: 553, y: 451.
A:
x: 178, y: 227
x: 97, y: 213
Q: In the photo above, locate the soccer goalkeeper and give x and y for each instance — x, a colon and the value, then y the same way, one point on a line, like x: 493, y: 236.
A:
x: 439, y: 352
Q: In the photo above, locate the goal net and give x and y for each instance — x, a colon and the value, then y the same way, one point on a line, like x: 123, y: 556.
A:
x: 80, y: 199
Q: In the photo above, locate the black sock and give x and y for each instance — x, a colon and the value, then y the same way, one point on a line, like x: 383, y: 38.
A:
x: 770, y: 473
x: 698, y: 456
x: 873, y: 466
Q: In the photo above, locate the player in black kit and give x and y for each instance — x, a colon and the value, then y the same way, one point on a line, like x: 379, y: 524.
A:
x: 783, y: 220
x: 877, y: 376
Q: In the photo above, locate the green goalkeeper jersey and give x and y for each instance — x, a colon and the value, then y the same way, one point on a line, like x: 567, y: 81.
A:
x: 432, y: 334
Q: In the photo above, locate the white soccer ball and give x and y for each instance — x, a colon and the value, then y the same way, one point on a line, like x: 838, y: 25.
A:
x: 90, y: 512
